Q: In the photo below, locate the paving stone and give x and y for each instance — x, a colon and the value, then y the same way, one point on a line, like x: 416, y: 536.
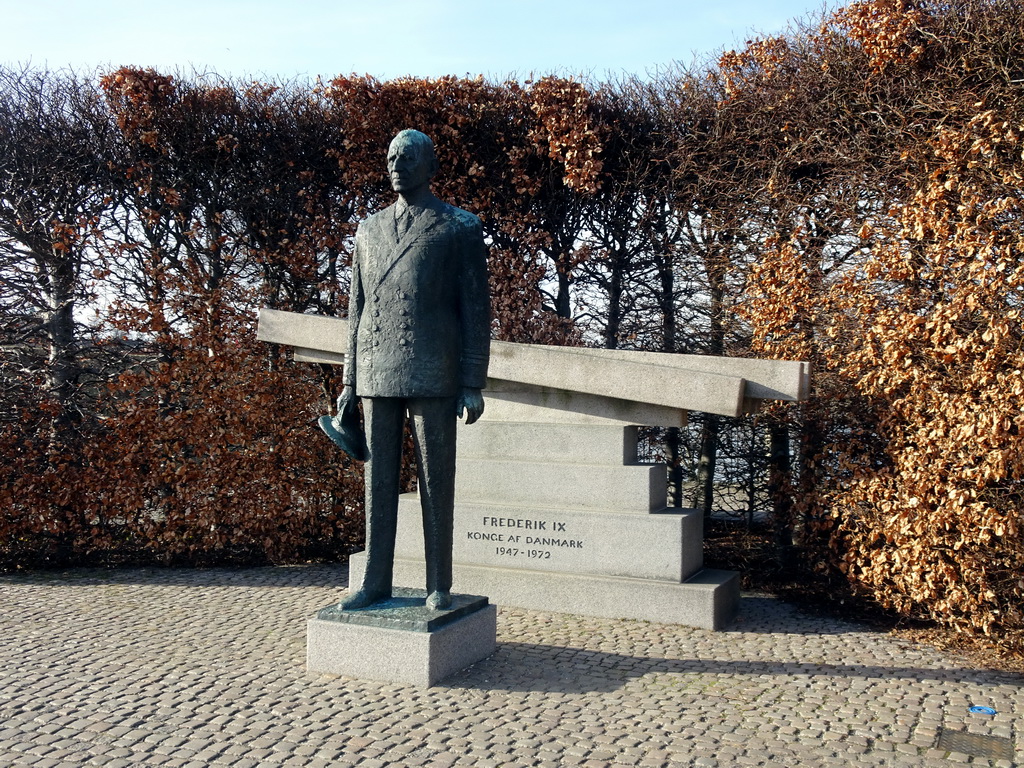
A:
x: 175, y: 668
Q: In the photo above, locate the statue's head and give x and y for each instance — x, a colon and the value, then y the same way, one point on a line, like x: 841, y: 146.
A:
x: 411, y: 161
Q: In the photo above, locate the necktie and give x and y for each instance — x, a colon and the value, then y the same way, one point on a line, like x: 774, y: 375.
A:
x: 404, y: 221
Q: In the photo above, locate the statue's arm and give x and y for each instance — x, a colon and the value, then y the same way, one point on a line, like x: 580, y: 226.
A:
x: 356, y: 299
x: 475, y: 318
x: 474, y: 308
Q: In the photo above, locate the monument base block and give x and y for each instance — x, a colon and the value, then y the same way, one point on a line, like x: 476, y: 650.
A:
x: 707, y: 600
x: 400, y: 640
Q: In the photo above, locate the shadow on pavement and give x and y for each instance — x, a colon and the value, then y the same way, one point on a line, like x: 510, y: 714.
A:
x: 770, y: 615
x: 329, y: 575
x: 527, y: 667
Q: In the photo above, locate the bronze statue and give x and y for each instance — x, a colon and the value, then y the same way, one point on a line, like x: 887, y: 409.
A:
x: 419, y: 337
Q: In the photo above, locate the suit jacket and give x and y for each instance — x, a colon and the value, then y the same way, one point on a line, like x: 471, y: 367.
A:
x: 419, y: 307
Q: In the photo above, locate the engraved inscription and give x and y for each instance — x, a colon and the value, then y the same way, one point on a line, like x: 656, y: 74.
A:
x: 524, y: 538
x: 519, y: 522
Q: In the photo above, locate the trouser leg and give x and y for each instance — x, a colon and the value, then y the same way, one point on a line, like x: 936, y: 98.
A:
x: 384, y: 419
x: 433, y: 427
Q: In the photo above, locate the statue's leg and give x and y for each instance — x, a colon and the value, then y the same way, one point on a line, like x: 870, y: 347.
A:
x: 433, y: 427
x: 384, y: 419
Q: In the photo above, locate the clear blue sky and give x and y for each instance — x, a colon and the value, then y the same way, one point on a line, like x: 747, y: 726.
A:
x: 385, y: 38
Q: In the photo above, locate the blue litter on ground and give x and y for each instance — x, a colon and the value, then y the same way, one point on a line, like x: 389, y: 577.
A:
x: 983, y: 710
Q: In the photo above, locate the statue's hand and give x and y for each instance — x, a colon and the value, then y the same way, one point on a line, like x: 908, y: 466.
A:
x: 471, y: 401
x: 346, y: 399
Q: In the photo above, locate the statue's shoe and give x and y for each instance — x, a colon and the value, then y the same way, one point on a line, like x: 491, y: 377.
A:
x: 439, y: 601
x: 362, y: 599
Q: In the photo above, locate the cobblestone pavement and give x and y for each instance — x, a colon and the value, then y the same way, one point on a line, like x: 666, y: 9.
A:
x: 151, y: 667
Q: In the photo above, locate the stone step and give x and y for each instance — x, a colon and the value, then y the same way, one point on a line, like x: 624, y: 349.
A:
x: 666, y: 545
x: 545, y: 442
x: 708, y: 600
x: 637, y: 488
x: 511, y: 401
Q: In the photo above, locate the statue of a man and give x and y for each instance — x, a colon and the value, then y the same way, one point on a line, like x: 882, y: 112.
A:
x: 419, y: 337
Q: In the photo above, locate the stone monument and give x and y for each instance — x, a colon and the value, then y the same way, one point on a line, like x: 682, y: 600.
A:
x: 418, y: 341
x: 553, y: 509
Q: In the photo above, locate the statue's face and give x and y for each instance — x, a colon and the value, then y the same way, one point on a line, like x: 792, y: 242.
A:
x: 409, y: 167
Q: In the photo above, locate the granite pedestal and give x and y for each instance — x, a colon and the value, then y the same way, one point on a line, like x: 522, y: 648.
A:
x: 401, y: 640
